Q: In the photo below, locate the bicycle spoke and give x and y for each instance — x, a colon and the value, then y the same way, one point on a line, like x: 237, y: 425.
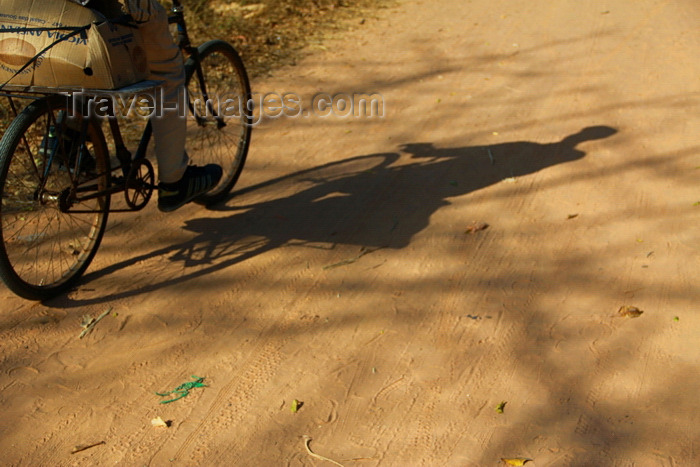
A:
x: 48, y: 237
x: 221, y: 139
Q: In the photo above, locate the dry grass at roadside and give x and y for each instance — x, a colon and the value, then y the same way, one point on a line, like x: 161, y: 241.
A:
x: 269, y: 33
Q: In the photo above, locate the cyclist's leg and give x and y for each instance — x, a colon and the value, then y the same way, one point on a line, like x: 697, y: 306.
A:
x: 165, y: 64
x: 179, y: 184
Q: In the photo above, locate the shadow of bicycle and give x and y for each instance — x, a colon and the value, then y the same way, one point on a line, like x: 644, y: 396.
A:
x: 372, y: 201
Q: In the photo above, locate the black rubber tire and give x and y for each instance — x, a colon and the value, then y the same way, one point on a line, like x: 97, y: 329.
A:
x: 208, y: 142
x: 44, y: 246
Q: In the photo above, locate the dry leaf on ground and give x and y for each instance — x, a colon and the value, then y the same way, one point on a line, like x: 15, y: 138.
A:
x: 500, y: 408
x: 476, y: 227
x: 631, y: 311
x: 515, y: 460
x: 159, y: 423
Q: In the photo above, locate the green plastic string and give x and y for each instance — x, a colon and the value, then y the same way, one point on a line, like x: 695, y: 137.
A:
x: 183, y: 389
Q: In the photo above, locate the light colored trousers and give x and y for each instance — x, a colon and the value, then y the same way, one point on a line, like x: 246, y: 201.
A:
x: 165, y: 64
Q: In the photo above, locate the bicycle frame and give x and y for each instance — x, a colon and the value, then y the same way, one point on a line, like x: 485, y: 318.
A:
x: 58, y: 159
x: 183, y: 40
x: 85, y: 191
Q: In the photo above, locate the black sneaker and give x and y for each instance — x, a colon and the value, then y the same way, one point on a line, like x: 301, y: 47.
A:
x: 195, y: 182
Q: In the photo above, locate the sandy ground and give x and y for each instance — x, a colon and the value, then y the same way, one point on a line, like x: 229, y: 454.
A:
x: 350, y: 273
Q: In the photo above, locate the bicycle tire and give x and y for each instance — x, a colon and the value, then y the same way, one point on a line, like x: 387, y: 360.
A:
x: 45, y: 244
x: 217, y: 134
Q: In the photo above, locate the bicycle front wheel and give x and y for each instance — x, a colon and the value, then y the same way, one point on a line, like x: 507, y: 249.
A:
x: 219, y: 125
x: 53, y: 210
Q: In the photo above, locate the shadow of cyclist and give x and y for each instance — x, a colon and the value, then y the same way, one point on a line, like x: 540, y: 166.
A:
x: 385, y: 199
x: 376, y: 200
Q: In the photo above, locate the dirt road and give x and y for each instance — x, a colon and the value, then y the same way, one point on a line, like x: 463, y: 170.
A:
x: 403, y: 277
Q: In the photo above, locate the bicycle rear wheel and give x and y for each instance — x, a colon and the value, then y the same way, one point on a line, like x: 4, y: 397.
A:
x: 219, y: 127
x: 50, y: 225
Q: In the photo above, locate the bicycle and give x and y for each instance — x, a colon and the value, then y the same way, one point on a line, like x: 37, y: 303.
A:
x: 56, y: 177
